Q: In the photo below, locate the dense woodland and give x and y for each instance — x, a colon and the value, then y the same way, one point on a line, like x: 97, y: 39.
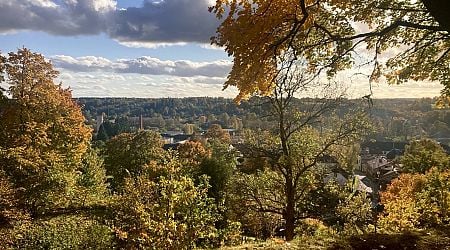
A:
x: 62, y: 187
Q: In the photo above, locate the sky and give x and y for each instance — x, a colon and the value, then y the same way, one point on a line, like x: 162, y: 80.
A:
x: 142, y: 48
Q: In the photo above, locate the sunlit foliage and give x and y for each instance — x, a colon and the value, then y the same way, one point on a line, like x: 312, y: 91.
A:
x: 417, y: 201
x: 164, y: 212
x: 325, y: 35
x: 421, y: 155
x: 43, y: 133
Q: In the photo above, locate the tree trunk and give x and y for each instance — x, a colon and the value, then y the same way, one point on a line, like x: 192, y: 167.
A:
x: 439, y: 10
x: 290, y: 209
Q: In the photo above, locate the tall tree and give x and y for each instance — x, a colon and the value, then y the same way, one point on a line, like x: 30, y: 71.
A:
x: 296, y: 147
x: 43, y: 133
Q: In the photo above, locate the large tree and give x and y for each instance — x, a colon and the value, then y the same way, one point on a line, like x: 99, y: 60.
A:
x: 295, y: 148
x: 42, y: 131
x: 325, y: 35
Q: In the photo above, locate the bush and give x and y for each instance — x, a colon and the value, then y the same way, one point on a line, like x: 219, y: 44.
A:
x: 66, y: 232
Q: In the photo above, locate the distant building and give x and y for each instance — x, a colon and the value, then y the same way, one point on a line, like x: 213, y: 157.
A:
x: 141, y: 123
x: 382, y: 147
x: 99, y: 121
x: 174, y: 137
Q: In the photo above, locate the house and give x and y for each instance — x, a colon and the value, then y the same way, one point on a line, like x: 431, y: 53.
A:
x: 369, y: 164
x: 171, y: 137
x: 382, y: 147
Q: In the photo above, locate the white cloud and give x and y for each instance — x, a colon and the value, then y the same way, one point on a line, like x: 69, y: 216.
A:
x: 143, y: 65
x: 98, y: 84
x: 44, y: 3
x: 104, y: 5
x: 103, y: 84
x: 150, y: 45
x: 211, y: 47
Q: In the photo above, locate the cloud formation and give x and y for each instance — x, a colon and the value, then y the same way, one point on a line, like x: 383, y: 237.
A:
x: 168, y: 21
x: 97, y: 84
x: 59, y: 17
x: 151, y: 77
x: 101, y: 84
x: 162, y: 21
x: 143, y: 65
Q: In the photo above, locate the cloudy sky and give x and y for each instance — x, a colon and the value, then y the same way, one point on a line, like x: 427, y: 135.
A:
x: 140, y: 48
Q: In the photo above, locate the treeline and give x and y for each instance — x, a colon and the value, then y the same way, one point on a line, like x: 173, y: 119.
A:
x: 394, y: 119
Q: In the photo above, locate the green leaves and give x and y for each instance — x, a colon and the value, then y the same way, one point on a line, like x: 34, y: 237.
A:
x: 66, y: 232
x: 168, y: 211
x: 127, y: 154
x: 422, y: 155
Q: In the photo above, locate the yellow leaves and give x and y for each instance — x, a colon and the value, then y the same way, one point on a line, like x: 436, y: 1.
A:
x: 215, y: 131
x: 43, y: 114
x: 255, y: 33
x: 399, y: 200
x: 193, y: 152
x: 416, y: 200
x: 42, y: 130
x: 404, y: 187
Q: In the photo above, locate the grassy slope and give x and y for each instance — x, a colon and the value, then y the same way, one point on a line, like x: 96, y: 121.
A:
x: 404, y: 241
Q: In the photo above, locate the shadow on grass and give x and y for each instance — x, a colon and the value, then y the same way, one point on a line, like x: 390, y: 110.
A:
x: 401, y: 241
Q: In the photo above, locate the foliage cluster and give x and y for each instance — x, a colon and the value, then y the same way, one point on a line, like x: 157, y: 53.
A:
x: 415, y: 201
x: 58, y: 192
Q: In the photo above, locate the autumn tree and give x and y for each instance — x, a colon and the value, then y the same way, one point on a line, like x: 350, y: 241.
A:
x: 215, y: 131
x: 417, y: 200
x: 325, y: 35
x: 12, y: 214
x: 189, y: 129
x: 294, y: 148
x: 50, y: 181
x: 43, y: 133
x: 421, y: 155
x: 193, y: 152
x: 291, y: 187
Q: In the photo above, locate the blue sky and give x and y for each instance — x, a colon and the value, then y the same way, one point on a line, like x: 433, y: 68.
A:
x: 138, y: 48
